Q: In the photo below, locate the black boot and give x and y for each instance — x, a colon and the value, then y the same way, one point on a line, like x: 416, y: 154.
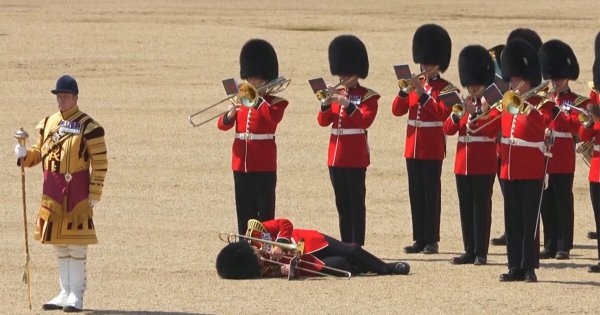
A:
x: 498, y: 241
x: 417, y: 247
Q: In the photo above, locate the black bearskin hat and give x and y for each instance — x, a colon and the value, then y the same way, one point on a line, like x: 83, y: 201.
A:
x: 258, y: 59
x: 432, y: 45
x: 558, y: 61
x: 520, y: 59
x: 596, y: 67
x: 475, y: 66
x: 238, y: 261
x: 348, y: 56
x: 497, y: 51
x: 528, y: 35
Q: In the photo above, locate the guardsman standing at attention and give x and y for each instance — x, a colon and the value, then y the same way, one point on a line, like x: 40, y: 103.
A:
x: 559, y: 64
x: 425, y: 146
x: 476, y: 159
x: 524, y: 154
x: 591, y: 131
x: 254, y: 153
x: 350, y: 111
x: 70, y: 143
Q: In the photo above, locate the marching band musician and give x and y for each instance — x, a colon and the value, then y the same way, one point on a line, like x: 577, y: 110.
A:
x: 70, y: 142
x: 591, y: 131
x: 476, y: 159
x: 349, y: 112
x: 559, y: 64
x: 425, y: 140
x: 254, y: 153
x: 523, y: 159
x: 241, y: 260
x: 534, y: 40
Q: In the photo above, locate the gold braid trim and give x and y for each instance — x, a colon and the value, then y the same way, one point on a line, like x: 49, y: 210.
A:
x: 448, y: 88
x: 370, y: 93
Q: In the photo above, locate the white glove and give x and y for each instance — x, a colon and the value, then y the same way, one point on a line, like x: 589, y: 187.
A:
x: 93, y: 202
x: 20, y: 151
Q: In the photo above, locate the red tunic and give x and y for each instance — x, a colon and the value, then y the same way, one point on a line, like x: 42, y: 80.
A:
x: 425, y: 139
x: 593, y: 134
x: 348, y: 145
x: 475, y: 152
x: 254, y: 148
x: 564, y: 127
x: 522, y: 156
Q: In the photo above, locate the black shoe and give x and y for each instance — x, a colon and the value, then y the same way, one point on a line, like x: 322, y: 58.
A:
x: 547, y: 254
x: 562, y: 255
x: 414, y: 248
x: 463, y: 259
x: 498, y: 241
x: 530, y: 276
x: 51, y: 307
x: 71, y: 309
x: 431, y: 248
x: 594, y: 268
x: 592, y: 235
x: 480, y: 261
x: 512, y: 275
x: 399, y: 268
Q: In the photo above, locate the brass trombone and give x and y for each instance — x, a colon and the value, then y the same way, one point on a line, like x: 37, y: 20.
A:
x: 324, y: 94
x: 514, y: 103
x: 247, y: 96
x: 405, y: 84
x: 295, y: 259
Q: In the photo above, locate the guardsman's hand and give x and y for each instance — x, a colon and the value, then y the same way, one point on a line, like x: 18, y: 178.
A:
x: 341, y: 99
x: 93, y: 202
x: 285, y: 269
x: 276, y: 253
x: 20, y: 151
x: 231, y: 111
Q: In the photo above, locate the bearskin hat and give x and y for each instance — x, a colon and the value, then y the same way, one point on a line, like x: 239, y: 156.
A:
x: 497, y: 51
x: 238, y: 261
x: 520, y: 59
x: 528, y: 35
x: 475, y: 66
x: 348, y: 56
x: 558, y: 61
x: 432, y: 45
x: 258, y: 59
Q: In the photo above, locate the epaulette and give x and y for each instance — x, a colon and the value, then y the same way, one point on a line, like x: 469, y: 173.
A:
x: 370, y: 93
x: 580, y: 100
x: 448, y: 88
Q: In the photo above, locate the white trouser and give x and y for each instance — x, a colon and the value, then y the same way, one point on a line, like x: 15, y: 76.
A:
x: 73, y: 281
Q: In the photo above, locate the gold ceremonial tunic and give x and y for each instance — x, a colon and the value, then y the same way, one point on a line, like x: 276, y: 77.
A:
x: 69, y: 144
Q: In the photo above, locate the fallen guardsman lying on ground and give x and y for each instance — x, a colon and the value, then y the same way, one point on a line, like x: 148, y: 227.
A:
x: 275, y: 249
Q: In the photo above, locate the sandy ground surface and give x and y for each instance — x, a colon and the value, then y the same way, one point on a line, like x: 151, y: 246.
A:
x: 144, y: 66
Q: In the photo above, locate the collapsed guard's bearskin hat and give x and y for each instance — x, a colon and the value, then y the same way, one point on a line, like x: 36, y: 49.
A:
x: 348, y: 56
x: 520, y: 59
x: 258, y: 59
x: 528, y: 35
x: 558, y: 61
x: 238, y: 261
x: 66, y: 84
x: 596, y: 68
x: 497, y: 51
x: 432, y: 45
x: 475, y: 66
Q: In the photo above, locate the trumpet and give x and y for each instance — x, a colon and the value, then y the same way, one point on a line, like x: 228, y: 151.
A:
x: 405, y: 84
x: 513, y: 102
x: 247, y: 95
x: 324, y: 94
x: 295, y: 260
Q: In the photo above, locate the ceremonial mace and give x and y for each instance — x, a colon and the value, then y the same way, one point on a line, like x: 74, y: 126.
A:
x: 21, y: 136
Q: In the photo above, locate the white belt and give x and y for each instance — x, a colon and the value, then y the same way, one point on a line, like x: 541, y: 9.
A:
x: 254, y: 136
x: 347, y: 131
x: 475, y: 139
x: 597, y: 147
x: 560, y: 134
x: 522, y: 143
x: 420, y: 124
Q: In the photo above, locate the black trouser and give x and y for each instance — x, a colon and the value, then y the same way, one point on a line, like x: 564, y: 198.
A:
x: 350, y: 193
x: 595, y: 196
x: 350, y: 257
x: 424, y: 188
x: 557, y: 213
x: 475, y: 200
x: 254, y: 197
x: 521, y: 203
